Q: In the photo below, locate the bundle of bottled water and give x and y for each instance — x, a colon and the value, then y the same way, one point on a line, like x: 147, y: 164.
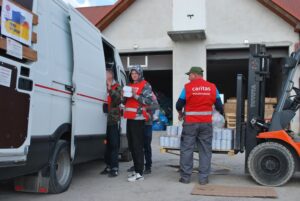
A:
x: 222, y: 139
x: 172, y: 138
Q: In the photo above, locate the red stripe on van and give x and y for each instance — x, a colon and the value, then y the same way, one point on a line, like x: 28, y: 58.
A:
x: 52, y: 89
x: 90, y: 97
x: 69, y: 93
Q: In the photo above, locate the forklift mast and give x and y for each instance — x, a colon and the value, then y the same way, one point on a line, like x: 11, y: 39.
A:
x: 258, y: 72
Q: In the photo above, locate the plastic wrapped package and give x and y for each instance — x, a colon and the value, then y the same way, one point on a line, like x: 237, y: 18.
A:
x: 218, y: 121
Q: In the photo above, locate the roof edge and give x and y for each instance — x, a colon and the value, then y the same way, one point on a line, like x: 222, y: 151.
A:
x: 118, y: 9
x: 284, y: 14
x: 87, y: 7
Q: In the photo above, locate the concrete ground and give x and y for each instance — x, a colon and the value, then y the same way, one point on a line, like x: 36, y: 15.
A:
x: 161, y: 185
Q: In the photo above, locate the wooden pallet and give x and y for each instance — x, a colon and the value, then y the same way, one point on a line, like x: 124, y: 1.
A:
x: 170, y: 149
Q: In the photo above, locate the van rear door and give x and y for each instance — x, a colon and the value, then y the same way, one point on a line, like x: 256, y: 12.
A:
x: 14, y: 113
x: 123, y: 81
x: 89, y: 79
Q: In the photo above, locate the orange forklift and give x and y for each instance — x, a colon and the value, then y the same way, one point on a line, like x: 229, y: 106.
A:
x: 272, y: 150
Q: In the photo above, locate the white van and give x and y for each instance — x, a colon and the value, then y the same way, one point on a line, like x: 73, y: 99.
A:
x: 52, y: 114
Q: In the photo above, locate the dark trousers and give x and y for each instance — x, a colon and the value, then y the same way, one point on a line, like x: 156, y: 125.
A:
x: 112, y: 147
x: 135, y: 136
x: 200, y: 133
x: 147, y: 146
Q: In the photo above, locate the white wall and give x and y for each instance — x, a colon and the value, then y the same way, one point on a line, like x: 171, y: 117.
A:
x: 181, y: 10
x: 233, y: 21
x: 145, y: 23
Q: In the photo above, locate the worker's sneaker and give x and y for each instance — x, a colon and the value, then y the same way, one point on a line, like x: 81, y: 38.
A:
x: 106, y: 170
x: 131, y: 174
x: 131, y: 169
x: 203, y: 182
x: 113, y: 173
x: 184, y: 181
x: 136, y: 177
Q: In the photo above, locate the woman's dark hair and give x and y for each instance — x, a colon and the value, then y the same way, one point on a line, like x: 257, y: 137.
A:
x: 129, y: 77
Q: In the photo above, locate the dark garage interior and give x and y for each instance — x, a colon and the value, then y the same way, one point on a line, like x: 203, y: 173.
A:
x: 223, y: 71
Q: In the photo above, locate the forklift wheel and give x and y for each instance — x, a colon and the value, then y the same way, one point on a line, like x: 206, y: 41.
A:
x: 271, y: 164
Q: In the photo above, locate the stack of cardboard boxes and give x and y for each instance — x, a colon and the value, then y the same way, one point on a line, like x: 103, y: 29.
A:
x: 230, y: 110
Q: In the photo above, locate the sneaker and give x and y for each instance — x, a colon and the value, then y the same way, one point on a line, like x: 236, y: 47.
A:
x: 184, y: 181
x: 105, y: 171
x: 113, y: 173
x: 131, y: 174
x: 136, y: 177
x: 147, y: 171
x: 131, y: 169
x: 203, y: 182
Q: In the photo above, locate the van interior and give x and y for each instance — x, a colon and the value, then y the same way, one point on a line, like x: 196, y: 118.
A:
x: 109, y: 55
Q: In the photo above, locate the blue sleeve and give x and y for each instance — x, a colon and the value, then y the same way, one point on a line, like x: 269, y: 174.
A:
x: 182, y: 95
x: 218, y: 94
x: 218, y: 104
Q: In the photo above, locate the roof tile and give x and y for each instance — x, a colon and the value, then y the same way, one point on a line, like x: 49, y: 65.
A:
x: 96, y: 13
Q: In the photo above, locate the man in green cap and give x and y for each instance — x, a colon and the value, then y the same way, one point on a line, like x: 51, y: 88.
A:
x: 195, y: 106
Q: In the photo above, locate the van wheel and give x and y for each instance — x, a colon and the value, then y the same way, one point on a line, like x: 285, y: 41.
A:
x: 126, y: 156
x: 61, y: 169
x: 271, y: 164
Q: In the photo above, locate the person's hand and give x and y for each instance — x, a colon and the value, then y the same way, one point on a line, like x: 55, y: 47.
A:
x: 134, y: 90
x: 180, y: 116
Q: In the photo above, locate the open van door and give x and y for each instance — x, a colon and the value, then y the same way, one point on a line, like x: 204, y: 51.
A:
x: 122, y: 78
x: 14, y: 115
x: 89, y: 80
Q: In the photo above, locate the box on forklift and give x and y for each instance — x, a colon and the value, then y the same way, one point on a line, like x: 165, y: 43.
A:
x: 52, y: 100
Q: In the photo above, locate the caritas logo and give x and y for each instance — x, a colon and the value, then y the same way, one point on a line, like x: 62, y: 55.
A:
x: 201, y: 88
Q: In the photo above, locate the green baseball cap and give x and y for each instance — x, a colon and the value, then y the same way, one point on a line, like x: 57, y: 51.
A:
x: 196, y: 70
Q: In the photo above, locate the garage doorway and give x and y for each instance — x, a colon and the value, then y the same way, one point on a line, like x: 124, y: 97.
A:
x: 224, y: 65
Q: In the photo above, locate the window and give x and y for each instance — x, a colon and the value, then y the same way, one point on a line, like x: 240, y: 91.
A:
x: 109, y: 56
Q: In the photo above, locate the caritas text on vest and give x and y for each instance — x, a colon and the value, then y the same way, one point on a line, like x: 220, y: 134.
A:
x: 201, y: 91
